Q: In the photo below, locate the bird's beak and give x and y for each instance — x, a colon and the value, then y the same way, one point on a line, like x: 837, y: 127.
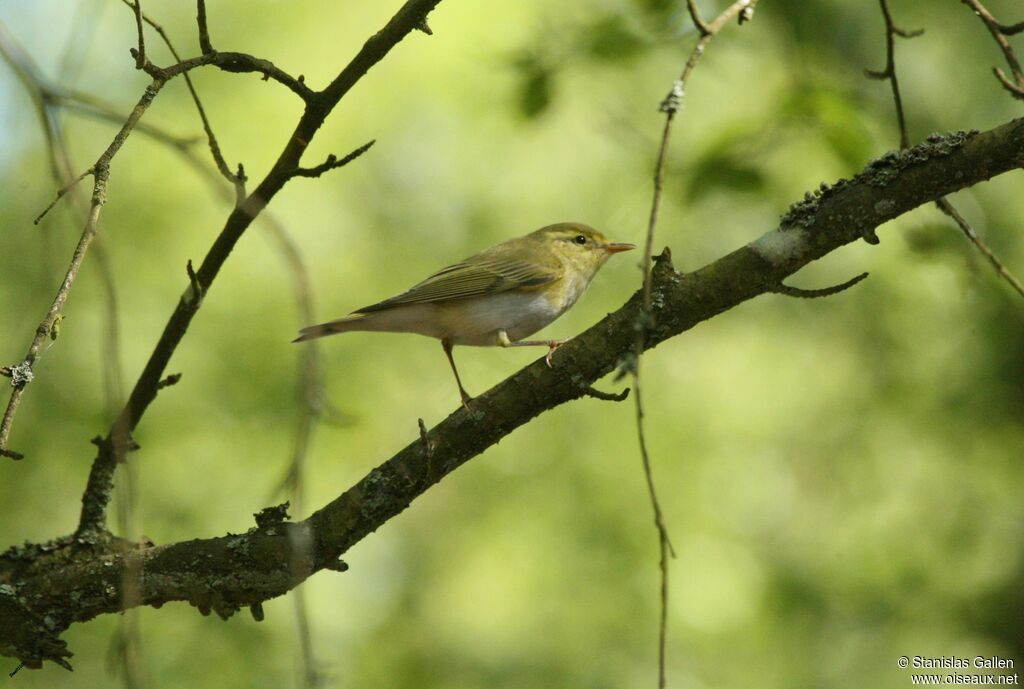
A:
x: 618, y: 247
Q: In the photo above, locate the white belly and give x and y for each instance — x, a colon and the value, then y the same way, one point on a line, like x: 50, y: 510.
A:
x: 478, y: 321
x: 474, y: 322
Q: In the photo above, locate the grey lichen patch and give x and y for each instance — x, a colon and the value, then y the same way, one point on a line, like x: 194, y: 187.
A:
x: 21, y: 375
x: 780, y: 247
x: 882, y: 171
x: 884, y: 207
x: 239, y: 545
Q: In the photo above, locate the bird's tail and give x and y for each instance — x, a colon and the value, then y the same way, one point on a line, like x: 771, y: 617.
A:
x: 342, y: 325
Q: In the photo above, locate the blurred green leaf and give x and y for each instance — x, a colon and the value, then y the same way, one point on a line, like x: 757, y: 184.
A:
x: 935, y: 239
x: 609, y: 38
x: 835, y: 115
x: 723, y: 171
x: 535, y: 86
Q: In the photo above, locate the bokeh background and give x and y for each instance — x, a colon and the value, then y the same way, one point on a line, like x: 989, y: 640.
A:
x: 842, y: 478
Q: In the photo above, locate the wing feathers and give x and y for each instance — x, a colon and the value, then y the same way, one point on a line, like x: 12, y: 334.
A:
x: 481, y: 274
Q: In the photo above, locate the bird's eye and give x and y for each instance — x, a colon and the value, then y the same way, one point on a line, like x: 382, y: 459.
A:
x: 580, y: 239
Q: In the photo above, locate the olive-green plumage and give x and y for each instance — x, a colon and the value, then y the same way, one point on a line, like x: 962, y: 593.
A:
x: 496, y: 297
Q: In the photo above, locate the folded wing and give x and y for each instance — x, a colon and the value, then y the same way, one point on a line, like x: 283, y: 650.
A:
x: 475, y: 276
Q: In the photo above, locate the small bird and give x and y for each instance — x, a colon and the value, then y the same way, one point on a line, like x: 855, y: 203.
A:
x: 493, y: 298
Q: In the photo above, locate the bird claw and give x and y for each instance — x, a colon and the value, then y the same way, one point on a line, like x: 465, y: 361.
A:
x: 552, y: 346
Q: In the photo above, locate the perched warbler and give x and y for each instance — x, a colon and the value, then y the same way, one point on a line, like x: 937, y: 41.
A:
x: 493, y: 298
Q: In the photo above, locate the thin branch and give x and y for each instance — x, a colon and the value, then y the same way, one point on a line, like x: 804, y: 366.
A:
x: 889, y: 73
x: 236, y: 180
x: 1016, y: 90
x: 60, y: 581
x: 239, y: 63
x: 946, y: 207
x: 698, y: 20
x: 204, y: 32
x: 60, y: 194
x: 999, y: 34
x: 1011, y: 29
x: 800, y: 293
x: 87, y: 105
x: 333, y: 162
x: 140, y: 53
x: 891, y: 32
x: 670, y: 106
x: 591, y: 391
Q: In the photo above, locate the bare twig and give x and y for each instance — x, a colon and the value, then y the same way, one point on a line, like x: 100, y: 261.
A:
x: 671, y: 105
x: 60, y: 194
x: 999, y: 34
x: 891, y: 30
x: 591, y: 391
x: 889, y: 72
x: 333, y: 162
x: 1011, y: 29
x: 946, y: 207
x: 237, y: 180
x: 698, y: 20
x: 204, y: 32
x: 140, y: 53
x: 240, y: 63
x: 800, y: 293
x: 169, y: 381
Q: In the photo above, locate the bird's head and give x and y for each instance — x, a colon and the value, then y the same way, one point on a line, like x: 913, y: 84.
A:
x: 578, y: 246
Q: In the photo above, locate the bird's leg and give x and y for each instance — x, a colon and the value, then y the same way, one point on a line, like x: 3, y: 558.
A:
x: 552, y: 345
x: 447, y: 346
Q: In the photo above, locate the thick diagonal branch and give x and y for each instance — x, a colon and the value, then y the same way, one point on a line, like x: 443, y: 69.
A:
x: 226, y: 573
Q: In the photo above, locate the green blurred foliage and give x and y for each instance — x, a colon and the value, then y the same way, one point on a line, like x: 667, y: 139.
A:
x: 841, y: 478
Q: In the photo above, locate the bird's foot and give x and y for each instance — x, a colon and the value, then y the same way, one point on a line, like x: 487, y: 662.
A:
x: 552, y: 346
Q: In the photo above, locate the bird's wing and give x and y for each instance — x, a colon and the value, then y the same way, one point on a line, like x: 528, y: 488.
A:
x: 478, y: 275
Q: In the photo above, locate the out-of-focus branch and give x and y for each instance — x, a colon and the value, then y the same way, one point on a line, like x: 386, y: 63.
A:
x: 238, y: 179
x: 945, y: 205
x: 1014, y: 85
x: 126, y: 645
x: 65, y: 583
x: 100, y: 171
x: 889, y: 72
x: 972, y: 235
x: 204, y: 31
x: 670, y: 106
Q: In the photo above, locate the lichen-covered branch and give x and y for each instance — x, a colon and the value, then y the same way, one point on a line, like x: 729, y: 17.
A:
x: 46, y: 588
